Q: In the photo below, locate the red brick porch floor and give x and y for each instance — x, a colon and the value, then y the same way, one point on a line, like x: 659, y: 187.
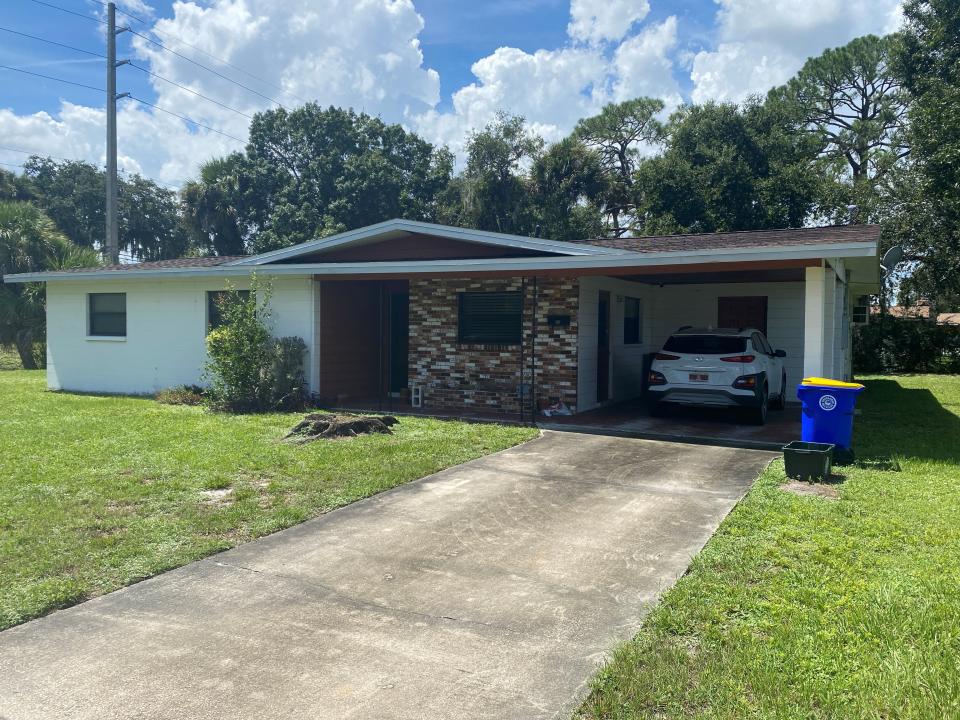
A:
x: 710, y: 426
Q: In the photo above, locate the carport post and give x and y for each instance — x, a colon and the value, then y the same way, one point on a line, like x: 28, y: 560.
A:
x: 814, y: 321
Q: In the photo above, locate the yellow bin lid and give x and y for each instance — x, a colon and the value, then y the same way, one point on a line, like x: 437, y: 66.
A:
x: 827, y: 382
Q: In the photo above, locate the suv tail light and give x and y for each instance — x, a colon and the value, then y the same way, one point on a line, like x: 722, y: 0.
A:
x: 740, y: 358
x: 665, y: 356
x: 655, y: 378
x: 746, y: 382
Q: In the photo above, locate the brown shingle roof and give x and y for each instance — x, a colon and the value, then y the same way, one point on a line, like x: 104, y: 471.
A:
x: 189, y: 262
x: 743, y: 239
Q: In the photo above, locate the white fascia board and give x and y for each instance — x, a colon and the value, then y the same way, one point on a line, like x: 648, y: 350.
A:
x: 637, y: 261
x: 412, y: 226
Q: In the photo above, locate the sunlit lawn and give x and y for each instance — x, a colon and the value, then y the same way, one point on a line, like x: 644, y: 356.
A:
x: 805, y: 607
x: 99, y: 492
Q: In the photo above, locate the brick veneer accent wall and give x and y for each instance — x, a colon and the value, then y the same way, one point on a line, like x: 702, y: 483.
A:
x: 488, y: 376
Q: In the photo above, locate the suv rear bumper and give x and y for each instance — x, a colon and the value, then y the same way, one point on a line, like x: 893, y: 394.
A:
x: 722, y: 397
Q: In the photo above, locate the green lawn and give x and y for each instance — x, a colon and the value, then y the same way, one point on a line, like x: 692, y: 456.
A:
x: 99, y: 492
x: 805, y: 607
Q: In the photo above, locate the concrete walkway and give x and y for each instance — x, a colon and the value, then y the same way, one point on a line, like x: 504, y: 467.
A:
x: 490, y: 590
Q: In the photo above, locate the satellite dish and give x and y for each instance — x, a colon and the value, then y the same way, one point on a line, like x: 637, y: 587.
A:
x: 891, y: 258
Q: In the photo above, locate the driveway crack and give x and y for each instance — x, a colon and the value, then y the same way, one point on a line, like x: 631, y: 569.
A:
x: 361, y: 603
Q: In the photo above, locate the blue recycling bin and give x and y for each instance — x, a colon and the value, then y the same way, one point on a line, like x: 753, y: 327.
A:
x: 828, y: 411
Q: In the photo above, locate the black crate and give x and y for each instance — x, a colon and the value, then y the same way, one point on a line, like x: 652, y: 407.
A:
x: 808, y: 460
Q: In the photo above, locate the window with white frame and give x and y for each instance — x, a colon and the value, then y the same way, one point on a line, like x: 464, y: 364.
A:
x: 107, y: 314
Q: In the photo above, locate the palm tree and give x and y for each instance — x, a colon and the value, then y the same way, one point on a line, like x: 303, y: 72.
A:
x: 31, y: 242
x: 209, y: 207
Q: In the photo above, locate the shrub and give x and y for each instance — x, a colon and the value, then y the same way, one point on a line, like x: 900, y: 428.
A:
x: 891, y: 344
x: 182, y: 395
x: 286, y: 373
x: 249, y: 371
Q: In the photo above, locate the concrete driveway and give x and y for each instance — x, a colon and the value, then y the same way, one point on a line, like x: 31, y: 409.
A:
x: 490, y: 590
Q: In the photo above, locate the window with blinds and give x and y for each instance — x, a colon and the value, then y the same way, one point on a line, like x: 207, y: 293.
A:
x: 490, y: 318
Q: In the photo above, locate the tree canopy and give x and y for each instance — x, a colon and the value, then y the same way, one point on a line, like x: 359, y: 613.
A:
x: 311, y: 172
x: 852, y: 108
x: 928, y: 58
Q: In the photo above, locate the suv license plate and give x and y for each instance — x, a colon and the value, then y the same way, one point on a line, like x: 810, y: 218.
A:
x: 699, y: 377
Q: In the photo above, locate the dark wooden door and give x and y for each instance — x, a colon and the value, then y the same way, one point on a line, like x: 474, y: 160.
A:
x: 603, y: 347
x: 742, y: 312
x: 399, y: 340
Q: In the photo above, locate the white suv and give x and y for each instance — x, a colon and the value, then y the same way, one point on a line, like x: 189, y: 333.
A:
x: 719, y: 367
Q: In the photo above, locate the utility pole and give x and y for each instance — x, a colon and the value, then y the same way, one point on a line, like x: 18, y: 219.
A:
x: 113, y: 239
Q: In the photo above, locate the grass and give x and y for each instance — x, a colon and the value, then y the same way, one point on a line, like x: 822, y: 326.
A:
x: 806, y: 607
x: 99, y: 492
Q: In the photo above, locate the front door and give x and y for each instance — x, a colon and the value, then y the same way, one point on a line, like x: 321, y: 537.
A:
x: 399, y: 340
x: 603, y: 347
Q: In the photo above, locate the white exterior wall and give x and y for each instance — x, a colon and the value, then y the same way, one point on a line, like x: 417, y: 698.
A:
x: 626, y: 361
x: 166, y: 330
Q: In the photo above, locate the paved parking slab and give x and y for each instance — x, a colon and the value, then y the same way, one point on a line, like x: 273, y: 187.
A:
x: 490, y: 590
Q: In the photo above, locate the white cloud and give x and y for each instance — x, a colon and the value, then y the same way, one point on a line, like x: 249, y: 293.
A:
x: 595, y: 21
x: 763, y: 43
x: 642, y: 65
x: 552, y: 89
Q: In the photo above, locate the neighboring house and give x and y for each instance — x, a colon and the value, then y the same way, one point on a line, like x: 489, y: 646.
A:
x: 920, y: 311
x: 469, y: 319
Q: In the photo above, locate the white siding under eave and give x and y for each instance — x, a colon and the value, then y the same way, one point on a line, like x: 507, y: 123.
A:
x: 166, y: 331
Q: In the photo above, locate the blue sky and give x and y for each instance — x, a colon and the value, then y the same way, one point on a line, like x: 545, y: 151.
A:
x: 455, y: 34
x: 440, y: 67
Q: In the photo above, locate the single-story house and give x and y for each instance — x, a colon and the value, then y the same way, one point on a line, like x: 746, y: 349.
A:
x: 463, y: 319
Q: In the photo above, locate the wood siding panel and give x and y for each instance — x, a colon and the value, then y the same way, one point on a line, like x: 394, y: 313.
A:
x: 415, y: 247
x: 349, y: 339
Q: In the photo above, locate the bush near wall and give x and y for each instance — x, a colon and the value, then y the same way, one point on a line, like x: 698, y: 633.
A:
x: 9, y: 359
x: 906, y: 345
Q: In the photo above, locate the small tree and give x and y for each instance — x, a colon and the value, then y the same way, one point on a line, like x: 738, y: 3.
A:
x: 248, y: 370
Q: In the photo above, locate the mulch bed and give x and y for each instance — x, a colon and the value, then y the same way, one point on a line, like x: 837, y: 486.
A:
x: 317, y: 426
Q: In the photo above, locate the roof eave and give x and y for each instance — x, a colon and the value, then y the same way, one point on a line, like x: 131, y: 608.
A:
x: 447, y: 267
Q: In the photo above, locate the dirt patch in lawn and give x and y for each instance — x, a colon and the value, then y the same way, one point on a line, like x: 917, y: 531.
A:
x: 824, y: 490
x: 317, y: 426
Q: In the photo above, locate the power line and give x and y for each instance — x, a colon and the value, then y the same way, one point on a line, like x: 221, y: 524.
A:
x: 50, y: 77
x: 200, y: 50
x: 209, y: 70
x: 52, y: 42
x: 13, y: 165
x: 189, y: 90
x: 37, y: 154
x: 186, y: 119
x: 71, y: 12
x: 133, y: 65
x: 166, y: 49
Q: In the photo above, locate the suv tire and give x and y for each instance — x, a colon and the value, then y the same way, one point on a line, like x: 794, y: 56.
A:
x: 780, y: 401
x: 759, y: 413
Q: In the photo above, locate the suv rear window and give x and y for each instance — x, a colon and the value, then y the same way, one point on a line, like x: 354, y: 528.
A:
x: 706, y: 344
